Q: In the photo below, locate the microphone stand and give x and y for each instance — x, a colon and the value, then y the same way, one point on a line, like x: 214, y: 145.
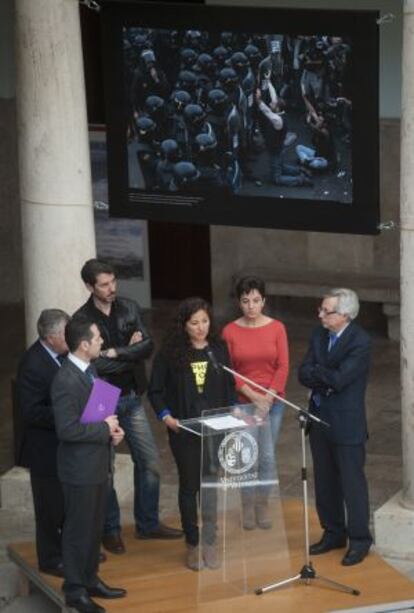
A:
x: 307, y: 573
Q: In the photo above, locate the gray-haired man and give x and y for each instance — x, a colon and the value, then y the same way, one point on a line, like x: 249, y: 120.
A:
x: 335, y: 368
x: 37, y: 369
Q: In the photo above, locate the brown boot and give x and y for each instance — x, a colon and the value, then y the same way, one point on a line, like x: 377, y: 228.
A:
x: 194, y: 561
x: 263, y: 515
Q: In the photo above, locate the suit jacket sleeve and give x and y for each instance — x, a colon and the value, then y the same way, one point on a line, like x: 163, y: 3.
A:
x: 343, y: 372
x: 34, y: 398
x: 67, y: 414
x: 354, y: 362
x: 306, y: 372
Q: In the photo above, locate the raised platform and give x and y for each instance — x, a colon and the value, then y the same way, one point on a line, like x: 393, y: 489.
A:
x: 154, y: 574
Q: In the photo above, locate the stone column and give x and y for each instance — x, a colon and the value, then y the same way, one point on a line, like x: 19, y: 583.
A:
x: 394, y: 521
x: 54, y: 162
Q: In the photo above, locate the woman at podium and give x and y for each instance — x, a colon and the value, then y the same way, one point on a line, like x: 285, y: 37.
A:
x: 185, y: 382
x: 258, y: 350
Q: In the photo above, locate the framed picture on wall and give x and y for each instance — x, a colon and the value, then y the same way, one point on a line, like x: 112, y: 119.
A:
x: 261, y: 117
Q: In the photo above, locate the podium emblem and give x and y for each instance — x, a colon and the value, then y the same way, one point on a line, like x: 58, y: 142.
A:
x: 238, y: 452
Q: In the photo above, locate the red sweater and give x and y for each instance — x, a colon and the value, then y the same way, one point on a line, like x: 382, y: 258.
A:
x: 261, y: 354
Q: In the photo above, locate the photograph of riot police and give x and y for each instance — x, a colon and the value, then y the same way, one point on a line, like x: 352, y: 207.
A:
x: 239, y: 113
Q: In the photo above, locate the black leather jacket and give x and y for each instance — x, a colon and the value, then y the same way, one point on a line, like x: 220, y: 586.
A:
x: 129, y: 364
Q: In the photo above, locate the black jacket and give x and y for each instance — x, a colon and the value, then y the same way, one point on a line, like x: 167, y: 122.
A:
x: 36, y: 371
x: 84, y: 454
x: 174, y: 388
x: 130, y: 360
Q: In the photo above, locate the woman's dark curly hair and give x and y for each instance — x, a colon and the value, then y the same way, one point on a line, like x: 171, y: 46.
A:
x: 176, y: 345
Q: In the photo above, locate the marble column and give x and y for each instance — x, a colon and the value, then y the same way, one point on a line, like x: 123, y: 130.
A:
x: 394, y: 522
x: 54, y: 162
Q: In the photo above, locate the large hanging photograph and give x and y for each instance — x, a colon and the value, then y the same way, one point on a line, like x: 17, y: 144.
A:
x: 258, y: 117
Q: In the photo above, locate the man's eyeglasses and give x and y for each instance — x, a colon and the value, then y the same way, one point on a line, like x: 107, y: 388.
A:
x: 322, y: 311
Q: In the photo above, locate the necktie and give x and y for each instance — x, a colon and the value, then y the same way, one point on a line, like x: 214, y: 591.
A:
x: 60, y: 359
x: 332, y: 340
x: 91, y: 374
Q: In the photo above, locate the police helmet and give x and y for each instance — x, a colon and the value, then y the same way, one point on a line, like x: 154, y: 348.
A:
x: 228, y: 79
x: 204, y: 142
x: 193, y: 38
x: 154, y: 105
x: 253, y: 54
x: 141, y: 42
x: 180, y: 98
x: 220, y: 55
x: 185, y: 173
x: 218, y: 101
x: 170, y: 150
x: 188, y: 57
x: 194, y: 114
x: 146, y: 127
x: 239, y: 62
x: 205, y: 64
x: 187, y: 80
x: 148, y: 58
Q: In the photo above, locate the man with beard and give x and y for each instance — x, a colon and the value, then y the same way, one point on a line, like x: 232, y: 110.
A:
x: 126, y: 344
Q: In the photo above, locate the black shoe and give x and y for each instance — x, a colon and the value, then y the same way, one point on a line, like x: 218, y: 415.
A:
x: 84, y: 604
x: 56, y: 571
x: 160, y: 532
x: 354, y: 556
x: 113, y: 543
x: 327, y: 543
x: 101, y: 590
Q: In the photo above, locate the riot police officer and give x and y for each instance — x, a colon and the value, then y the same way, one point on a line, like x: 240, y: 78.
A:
x: 185, y: 178
x: 146, y: 149
x: 170, y: 155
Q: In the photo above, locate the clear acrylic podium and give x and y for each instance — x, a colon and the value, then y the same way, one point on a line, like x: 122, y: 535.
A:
x: 239, y: 484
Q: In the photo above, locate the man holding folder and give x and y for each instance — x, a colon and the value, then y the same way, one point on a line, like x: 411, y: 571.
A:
x: 84, y: 460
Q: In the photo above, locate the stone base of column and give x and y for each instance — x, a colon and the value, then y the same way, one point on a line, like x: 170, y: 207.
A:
x: 392, y: 313
x: 394, y: 529
x: 16, y: 493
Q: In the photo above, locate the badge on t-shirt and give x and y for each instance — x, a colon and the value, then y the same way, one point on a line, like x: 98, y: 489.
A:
x: 199, y: 370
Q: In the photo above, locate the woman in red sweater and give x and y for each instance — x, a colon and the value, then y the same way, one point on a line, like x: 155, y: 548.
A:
x: 258, y: 350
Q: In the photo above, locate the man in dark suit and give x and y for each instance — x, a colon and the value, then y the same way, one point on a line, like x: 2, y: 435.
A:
x: 335, y: 368
x: 37, y: 368
x: 84, y: 461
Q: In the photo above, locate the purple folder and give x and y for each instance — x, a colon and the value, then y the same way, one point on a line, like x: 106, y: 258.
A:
x: 101, y: 403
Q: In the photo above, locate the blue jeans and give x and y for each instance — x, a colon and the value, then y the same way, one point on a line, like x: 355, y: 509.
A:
x: 266, y: 438
x: 144, y: 454
x: 276, y: 415
x: 307, y: 154
x: 267, y: 441
x: 284, y: 174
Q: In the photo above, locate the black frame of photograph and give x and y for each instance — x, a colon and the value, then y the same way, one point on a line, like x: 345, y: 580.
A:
x: 361, y: 216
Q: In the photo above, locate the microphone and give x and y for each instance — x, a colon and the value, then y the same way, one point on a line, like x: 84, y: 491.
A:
x: 212, y: 358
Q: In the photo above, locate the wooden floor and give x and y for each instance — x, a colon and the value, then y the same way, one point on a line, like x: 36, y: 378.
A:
x: 154, y: 574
